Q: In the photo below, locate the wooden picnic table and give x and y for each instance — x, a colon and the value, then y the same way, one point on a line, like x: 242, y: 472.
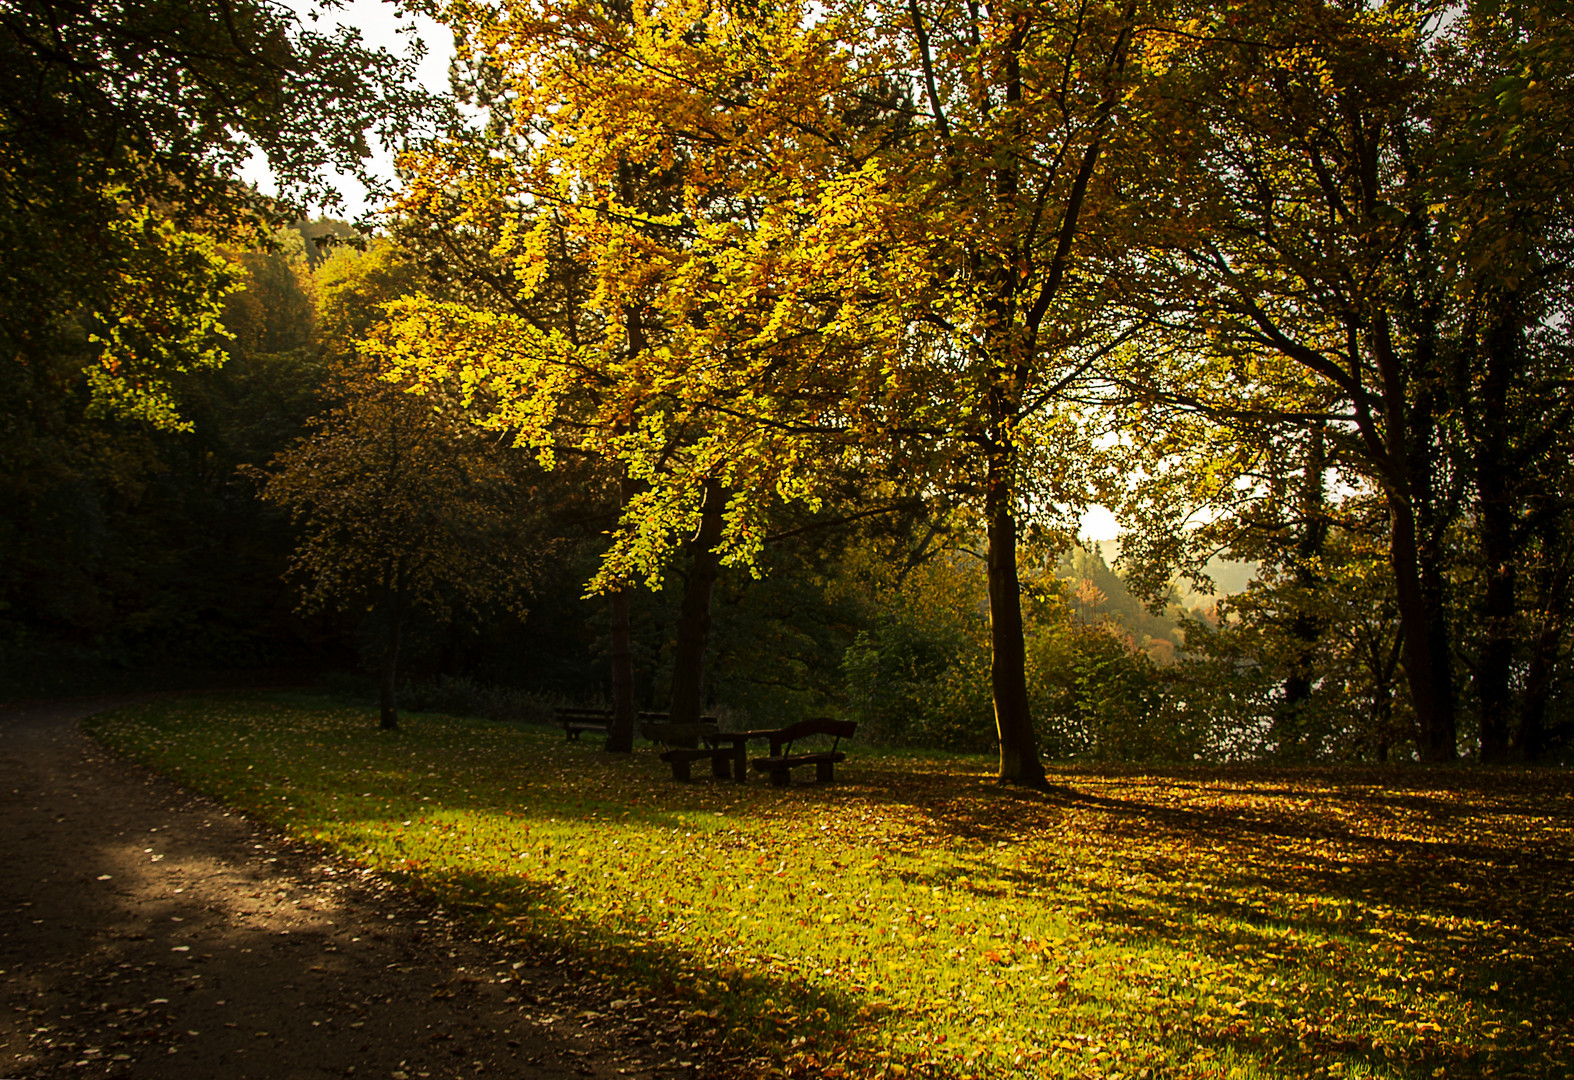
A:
x: 782, y: 760
x: 728, y: 752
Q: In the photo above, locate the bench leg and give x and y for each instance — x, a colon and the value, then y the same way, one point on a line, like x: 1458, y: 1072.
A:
x: 721, y: 766
x: 780, y: 777
x: 571, y: 735
x: 822, y: 771
x: 680, y: 770
x: 740, y: 765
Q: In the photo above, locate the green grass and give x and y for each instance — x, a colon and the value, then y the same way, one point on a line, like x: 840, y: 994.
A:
x: 917, y: 919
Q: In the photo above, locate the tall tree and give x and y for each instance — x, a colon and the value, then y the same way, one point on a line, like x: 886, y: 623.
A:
x: 839, y: 279
x: 123, y: 127
x: 1326, y: 251
x: 1503, y: 119
x: 636, y: 369
x: 401, y: 505
x: 1002, y: 189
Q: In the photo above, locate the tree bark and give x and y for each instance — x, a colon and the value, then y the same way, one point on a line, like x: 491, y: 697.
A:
x: 1495, y: 666
x: 1497, y: 529
x: 688, y: 672
x: 389, y: 675
x: 1019, y: 761
x: 1553, y: 600
x: 1290, y: 725
x: 1426, y: 638
x: 1530, y: 740
x: 620, y: 737
x: 1408, y: 419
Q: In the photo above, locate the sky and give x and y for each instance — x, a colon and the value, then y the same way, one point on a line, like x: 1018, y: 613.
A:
x: 1099, y: 524
x: 382, y: 25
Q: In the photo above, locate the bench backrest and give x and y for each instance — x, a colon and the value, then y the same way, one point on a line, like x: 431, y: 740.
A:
x: 671, y: 734
x: 837, y: 730
x: 564, y: 713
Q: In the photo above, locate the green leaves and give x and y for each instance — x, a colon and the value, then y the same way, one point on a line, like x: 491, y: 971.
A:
x: 162, y: 306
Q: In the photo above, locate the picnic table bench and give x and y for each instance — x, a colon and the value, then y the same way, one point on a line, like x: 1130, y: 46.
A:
x: 782, y: 760
x: 575, y: 721
x: 684, y: 744
x: 598, y: 721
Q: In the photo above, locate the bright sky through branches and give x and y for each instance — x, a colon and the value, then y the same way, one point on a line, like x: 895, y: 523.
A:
x: 1099, y: 524
x: 383, y: 25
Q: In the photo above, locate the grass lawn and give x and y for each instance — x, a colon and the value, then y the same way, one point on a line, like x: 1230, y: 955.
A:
x: 916, y: 919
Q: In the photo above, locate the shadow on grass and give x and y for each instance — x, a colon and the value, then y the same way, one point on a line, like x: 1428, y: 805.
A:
x: 1347, y: 881
x: 306, y: 777
x: 1457, y: 889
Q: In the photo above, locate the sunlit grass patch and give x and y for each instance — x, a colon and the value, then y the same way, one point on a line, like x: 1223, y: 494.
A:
x: 917, y: 919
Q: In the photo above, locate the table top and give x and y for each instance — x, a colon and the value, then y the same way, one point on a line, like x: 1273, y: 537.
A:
x: 742, y: 736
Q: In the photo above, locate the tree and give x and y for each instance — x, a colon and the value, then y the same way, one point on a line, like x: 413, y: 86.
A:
x: 577, y: 362
x: 1503, y: 117
x: 123, y: 127
x: 1337, y: 254
x: 400, y: 510
x: 127, y: 544
x: 402, y: 505
x: 836, y: 280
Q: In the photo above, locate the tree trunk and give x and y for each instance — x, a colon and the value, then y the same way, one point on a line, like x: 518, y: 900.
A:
x: 688, y: 672
x: 1290, y: 726
x: 1495, y: 667
x: 1425, y: 637
x: 389, y: 676
x: 1019, y: 762
x: 1553, y: 600
x: 1496, y: 526
x: 620, y: 737
x: 1530, y: 741
x: 1408, y: 421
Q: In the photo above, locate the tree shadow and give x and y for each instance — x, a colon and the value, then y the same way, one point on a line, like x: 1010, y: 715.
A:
x: 1463, y: 894
x: 1459, y: 884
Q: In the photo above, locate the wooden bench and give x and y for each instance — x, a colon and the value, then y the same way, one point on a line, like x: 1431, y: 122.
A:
x: 782, y: 761
x: 682, y: 748
x: 575, y: 721
x: 599, y: 721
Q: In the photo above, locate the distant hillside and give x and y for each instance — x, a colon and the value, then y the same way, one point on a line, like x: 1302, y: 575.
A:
x: 1229, y: 577
x: 1098, y: 595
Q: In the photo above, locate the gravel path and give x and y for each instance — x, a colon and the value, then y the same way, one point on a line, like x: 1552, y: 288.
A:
x: 147, y: 932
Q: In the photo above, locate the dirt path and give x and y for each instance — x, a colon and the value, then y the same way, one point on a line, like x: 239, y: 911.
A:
x: 146, y: 932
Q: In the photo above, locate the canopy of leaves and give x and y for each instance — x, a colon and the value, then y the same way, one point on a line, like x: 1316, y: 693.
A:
x: 123, y: 127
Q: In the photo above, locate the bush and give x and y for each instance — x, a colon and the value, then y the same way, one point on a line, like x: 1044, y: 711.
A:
x: 911, y: 682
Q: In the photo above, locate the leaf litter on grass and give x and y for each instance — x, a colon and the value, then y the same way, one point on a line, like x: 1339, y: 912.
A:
x: 917, y: 919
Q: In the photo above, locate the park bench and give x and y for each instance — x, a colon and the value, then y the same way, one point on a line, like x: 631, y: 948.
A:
x: 782, y: 760
x: 684, y: 744
x: 575, y: 721
x: 599, y: 721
